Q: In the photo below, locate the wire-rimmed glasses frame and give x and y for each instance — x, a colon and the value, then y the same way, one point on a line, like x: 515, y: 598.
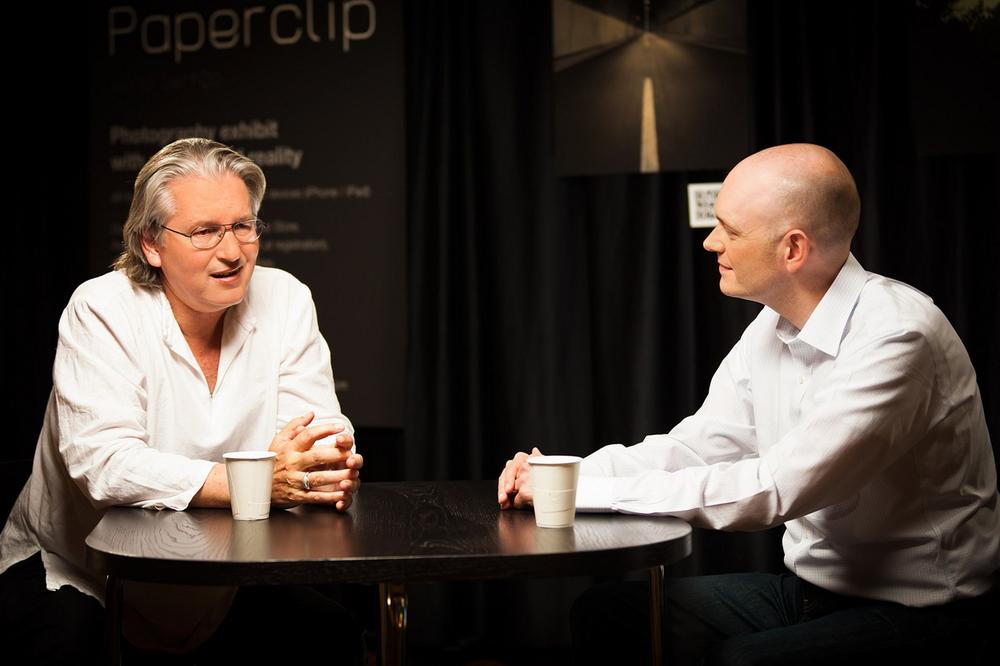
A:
x: 209, y: 236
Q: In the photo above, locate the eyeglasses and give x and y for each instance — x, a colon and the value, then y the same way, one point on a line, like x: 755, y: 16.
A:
x: 205, y: 238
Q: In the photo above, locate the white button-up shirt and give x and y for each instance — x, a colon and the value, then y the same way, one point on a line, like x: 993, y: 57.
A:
x: 131, y: 421
x: 863, y: 433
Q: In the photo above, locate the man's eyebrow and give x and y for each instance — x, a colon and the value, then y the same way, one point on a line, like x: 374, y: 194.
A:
x: 216, y: 223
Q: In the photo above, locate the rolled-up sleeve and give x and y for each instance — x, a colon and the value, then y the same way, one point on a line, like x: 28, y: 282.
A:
x: 101, y: 402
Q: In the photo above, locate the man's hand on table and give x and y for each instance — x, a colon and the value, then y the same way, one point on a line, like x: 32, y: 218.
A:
x: 333, y: 470
x: 514, y: 484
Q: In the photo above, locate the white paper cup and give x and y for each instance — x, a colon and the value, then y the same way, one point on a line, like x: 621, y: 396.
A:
x: 553, y: 482
x: 249, y: 474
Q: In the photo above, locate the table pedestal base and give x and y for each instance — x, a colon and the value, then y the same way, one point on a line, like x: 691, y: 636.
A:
x: 393, y: 607
x: 392, y: 613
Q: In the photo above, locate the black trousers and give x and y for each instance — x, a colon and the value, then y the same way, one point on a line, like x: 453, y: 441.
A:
x: 756, y: 619
x: 265, y: 624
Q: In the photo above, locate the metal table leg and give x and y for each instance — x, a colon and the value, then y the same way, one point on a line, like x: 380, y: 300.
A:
x: 392, y: 611
x: 656, y: 613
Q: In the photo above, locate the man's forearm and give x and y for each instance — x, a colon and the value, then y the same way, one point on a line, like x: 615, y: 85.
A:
x: 214, y: 492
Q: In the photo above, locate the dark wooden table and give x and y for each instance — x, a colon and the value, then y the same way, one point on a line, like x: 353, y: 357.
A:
x: 395, y: 533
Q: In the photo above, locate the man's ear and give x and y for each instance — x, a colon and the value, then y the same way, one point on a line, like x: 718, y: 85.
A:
x: 797, y: 247
x: 152, y: 252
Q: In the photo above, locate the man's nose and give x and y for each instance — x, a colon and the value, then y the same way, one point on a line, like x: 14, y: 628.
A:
x: 229, y: 246
x: 713, y: 242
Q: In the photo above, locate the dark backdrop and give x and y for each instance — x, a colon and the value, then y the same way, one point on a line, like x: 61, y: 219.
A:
x: 567, y: 313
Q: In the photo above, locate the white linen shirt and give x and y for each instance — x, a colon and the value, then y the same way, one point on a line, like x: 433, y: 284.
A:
x: 130, y: 420
x: 863, y: 433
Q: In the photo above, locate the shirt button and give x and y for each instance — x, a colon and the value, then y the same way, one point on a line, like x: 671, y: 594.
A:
x: 159, y: 507
x: 802, y: 379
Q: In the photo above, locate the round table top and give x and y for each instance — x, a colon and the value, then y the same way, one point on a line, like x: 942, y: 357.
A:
x: 394, y: 532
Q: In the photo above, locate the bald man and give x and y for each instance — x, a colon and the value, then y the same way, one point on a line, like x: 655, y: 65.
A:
x: 849, y: 412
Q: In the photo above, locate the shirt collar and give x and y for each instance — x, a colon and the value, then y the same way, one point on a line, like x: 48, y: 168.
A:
x: 242, y: 314
x: 825, y: 327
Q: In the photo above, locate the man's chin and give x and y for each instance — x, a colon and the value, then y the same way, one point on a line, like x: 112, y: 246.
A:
x: 228, y: 299
x: 228, y: 303
x: 731, y: 292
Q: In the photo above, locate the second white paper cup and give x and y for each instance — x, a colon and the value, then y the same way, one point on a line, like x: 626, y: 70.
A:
x: 249, y: 474
x: 553, y: 481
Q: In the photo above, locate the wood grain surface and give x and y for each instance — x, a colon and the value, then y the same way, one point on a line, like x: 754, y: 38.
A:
x: 394, y: 532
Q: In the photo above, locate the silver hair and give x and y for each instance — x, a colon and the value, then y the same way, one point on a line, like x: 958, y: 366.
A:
x: 152, y: 202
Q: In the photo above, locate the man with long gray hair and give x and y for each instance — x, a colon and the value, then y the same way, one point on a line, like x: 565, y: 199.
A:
x: 182, y: 353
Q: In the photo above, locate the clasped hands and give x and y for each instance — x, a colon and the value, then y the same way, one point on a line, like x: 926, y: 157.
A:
x: 307, y: 474
x: 514, y: 485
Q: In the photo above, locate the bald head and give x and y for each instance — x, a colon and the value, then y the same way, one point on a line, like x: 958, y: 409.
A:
x: 803, y: 186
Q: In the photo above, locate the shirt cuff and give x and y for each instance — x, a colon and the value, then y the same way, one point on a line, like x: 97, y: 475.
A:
x: 179, y: 502
x: 594, y: 493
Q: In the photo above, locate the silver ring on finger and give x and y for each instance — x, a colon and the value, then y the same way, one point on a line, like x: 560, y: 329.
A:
x: 305, y: 482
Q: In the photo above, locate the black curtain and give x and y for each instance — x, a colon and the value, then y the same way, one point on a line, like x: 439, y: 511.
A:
x: 559, y: 312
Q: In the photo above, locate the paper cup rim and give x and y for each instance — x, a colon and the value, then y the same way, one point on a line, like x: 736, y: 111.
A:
x: 249, y: 455
x: 554, y: 460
